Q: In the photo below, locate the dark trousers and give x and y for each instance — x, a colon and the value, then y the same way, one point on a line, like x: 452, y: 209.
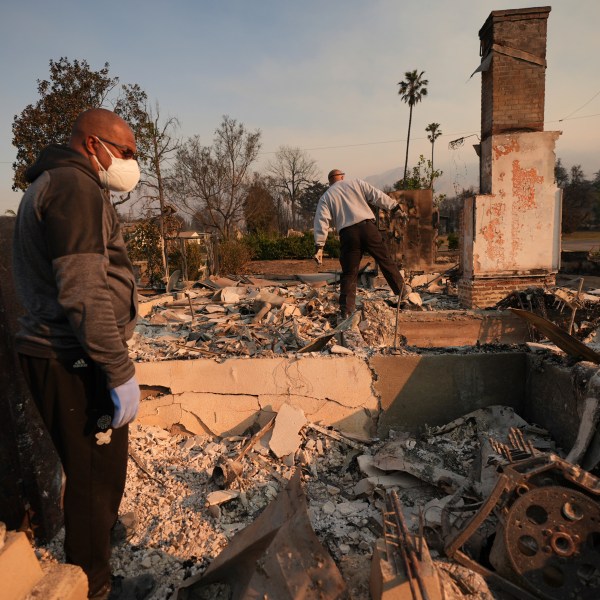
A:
x: 75, y: 405
x: 355, y: 241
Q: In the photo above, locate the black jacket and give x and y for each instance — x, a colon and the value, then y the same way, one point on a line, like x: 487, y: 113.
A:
x: 71, y: 268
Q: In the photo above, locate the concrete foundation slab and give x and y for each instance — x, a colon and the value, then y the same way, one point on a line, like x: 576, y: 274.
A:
x: 442, y: 328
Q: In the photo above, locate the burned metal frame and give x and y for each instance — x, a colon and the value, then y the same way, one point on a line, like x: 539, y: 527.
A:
x: 515, y: 481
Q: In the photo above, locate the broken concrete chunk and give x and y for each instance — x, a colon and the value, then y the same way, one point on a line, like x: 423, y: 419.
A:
x: 328, y: 508
x: 420, y: 463
x: 414, y: 299
x: 221, y: 496
x: 351, y: 508
x: 366, y: 464
x: 366, y: 486
x: 337, y: 349
x: 215, y: 308
x: 261, y: 308
x: 229, y: 295
x: 272, y: 299
x: 432, y: 511
x: 288, y: 422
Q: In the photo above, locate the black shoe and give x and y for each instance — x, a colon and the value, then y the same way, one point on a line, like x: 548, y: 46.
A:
x: 131, y: 588
x: 123, y: 529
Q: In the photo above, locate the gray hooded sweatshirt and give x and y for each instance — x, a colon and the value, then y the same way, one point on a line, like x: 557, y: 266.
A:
x: 71, y: 268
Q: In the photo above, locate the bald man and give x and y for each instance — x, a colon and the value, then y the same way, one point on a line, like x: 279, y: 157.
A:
x: 345, y: 205
x: 77, y: 286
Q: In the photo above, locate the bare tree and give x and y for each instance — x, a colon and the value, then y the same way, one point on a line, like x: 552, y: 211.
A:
x: 292, y: 170
x: 210, y: 182
x: 157, y: 144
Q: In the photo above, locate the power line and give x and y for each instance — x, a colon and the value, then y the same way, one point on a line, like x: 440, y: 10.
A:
x: 457, y: 133
x: 575, y: 118
x: 374, y: 143
x: 582, y: 106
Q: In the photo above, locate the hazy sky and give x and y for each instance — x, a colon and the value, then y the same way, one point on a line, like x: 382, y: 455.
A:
x: 322, y: 75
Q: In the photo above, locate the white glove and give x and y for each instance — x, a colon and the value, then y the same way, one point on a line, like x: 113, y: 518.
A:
x: 319, y: 255
x: 126, y: 399
x: 398, y: 211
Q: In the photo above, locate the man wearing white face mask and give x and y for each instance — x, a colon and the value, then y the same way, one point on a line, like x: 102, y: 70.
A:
x: 76, y: 284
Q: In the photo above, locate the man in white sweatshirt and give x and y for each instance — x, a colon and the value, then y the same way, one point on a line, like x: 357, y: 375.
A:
x: 344, y: 205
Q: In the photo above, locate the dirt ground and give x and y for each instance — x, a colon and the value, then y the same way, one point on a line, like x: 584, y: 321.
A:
x: 294, y: 267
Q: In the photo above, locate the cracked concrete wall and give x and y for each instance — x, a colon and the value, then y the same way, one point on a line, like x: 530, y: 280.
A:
x: 556, y: 397
x: 226, y: 398
x: 434, y: 389
x: 348, y: 393
x: 516, y: 225
x: 364, y: 397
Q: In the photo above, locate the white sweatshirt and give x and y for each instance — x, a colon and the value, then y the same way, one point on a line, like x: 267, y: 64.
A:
x: 345, y: 204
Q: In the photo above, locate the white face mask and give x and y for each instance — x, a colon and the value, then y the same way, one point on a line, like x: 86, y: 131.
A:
x: 121, y: 176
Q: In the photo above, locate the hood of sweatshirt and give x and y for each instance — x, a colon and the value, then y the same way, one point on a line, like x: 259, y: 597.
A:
x: 55, y: 157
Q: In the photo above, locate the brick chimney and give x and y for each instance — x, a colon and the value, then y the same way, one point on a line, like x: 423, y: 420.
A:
x: 511, y: 231
x: 513, y: 86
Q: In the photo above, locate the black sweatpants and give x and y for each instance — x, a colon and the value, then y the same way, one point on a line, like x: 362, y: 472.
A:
x: 355, y: 240
x: 75, y: 405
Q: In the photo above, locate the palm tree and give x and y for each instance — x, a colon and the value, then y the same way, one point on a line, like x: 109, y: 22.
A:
x: 412, y: 90
x: 433, y: 133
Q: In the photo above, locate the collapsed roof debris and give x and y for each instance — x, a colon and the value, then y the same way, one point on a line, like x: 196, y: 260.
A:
x: 190, y: 509
x: 254, y: 317
x: 574, y: 312
x: 220, y: 318
x: 277, y: 556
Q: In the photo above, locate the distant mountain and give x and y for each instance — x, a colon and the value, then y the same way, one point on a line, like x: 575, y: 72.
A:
x: 385, y: 179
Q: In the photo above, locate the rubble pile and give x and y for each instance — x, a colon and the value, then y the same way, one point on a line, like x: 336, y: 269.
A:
x: 572, y: 310
x: 192, y: 494
x: 254, y: 317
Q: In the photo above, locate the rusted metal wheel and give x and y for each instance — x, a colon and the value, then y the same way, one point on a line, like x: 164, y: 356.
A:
x: 552, y: 543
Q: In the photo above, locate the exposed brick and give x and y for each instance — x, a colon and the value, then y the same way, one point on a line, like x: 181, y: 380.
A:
x: 512, y: 90
x: 483, y: 293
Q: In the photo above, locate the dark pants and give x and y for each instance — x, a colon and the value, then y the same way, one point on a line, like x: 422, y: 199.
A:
x: 355, y: 241
x: 75, y: 405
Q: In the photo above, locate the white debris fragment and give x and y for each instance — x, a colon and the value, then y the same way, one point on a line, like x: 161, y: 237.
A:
x: 328, y: 508
x: 337, y: 349
x: 285, y: 438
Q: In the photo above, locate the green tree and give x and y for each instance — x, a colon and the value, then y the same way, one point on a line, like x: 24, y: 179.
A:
x: 260, y: 210
x: 433, y: 133
x: 143, y: 244
x: 421, y: 177
x: 309, y: 200
x: 580, y: 201
x: 71, y: 88
x: 210, y: 182
x: 412, y: 90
